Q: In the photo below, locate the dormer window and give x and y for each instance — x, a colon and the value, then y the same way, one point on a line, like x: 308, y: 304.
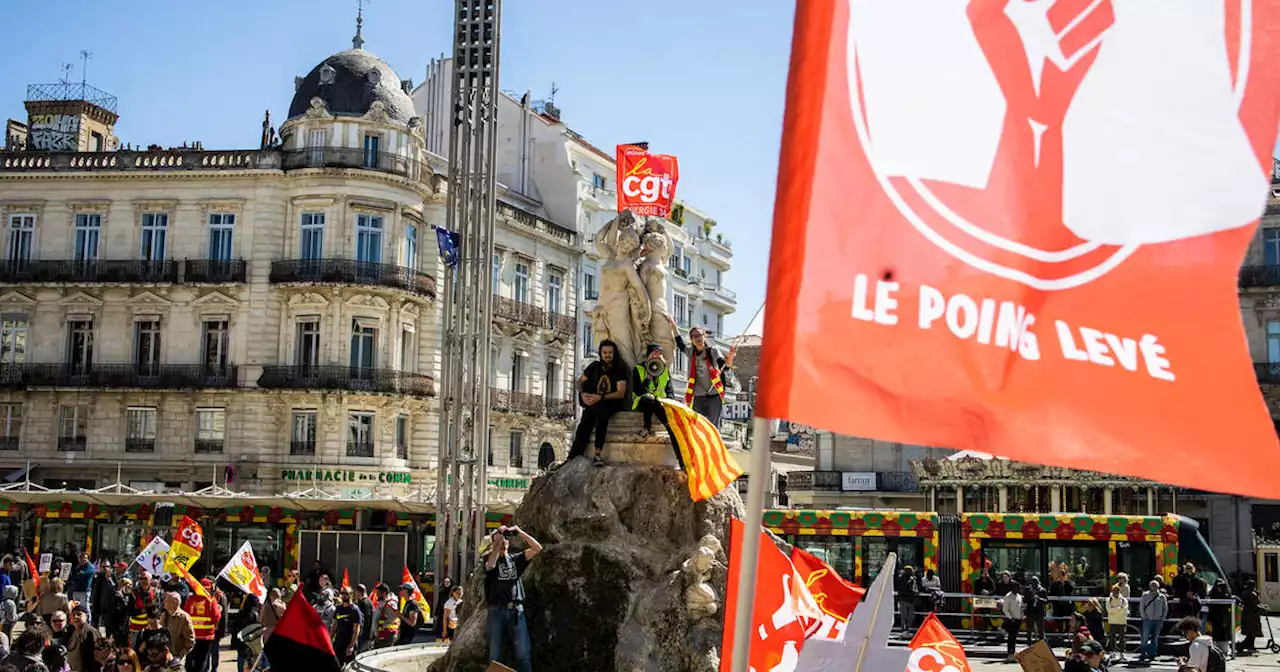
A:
x: 374, y: 77
x: 327, y: 74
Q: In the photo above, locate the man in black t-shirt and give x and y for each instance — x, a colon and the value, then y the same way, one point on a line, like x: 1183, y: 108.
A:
x: 602, y: 389
x: 365, y: 605
x: 504, y: 595
x: 410, y: 615
x: 347, y: 624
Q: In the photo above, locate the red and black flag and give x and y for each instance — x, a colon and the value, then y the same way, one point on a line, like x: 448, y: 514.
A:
x: 301, y: 639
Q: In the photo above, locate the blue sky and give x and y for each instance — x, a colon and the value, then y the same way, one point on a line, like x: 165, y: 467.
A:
x: 703, y: 80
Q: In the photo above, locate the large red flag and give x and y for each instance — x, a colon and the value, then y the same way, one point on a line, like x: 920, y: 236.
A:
x: 935, y: 648
x: 301, y: 639
x: 1018, y: 230
x: 782, y: 610
x: 835, y: 597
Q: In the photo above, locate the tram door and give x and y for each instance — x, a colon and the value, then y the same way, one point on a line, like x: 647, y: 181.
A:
x: 1138, y: 560
x: 910, y: 551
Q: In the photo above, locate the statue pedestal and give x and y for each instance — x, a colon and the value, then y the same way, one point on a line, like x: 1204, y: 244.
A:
x: 625, y: 445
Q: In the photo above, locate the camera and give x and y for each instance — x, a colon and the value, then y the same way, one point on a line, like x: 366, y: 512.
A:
x: 509, y: 533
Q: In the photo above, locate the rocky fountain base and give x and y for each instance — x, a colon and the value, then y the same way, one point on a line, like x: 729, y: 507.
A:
x: 632, y: 574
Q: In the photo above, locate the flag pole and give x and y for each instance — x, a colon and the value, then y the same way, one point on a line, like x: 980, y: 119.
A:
x: 757, y: 485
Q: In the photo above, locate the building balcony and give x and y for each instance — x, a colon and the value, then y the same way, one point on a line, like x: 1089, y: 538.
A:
x: 215, y: 271
x: 359, y: 449
x: 99, y: 271
x: 302, y: 447
x: 352, y: 272
x: 539, y: 225
x: 355, y: 157
x: 208, y: 446
x: 720, y: 295
x: 560, y: 408
x: 170, y: 160
x: 718, y: 251
x: 1266, y: 275
x: 519, y: 312
x: 145, y: 376
x: 834, y: 481
x: 347, y: 378
x: 562, y: 325
x: 139, y: 445
x: 72, y: 444
x: 515, y: 402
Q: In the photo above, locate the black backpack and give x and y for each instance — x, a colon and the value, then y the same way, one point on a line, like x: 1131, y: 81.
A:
x: 1217, y: 659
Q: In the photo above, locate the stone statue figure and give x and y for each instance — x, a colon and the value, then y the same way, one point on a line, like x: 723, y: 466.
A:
x: 622, y: 314
x: 656, y: 252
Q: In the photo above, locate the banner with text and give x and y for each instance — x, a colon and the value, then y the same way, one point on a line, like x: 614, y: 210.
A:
x: 1019, y: 232
x: 188, y: 542
x: 646, y: 182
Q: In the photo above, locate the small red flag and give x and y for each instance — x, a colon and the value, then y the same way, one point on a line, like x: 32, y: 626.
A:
x: 933, y: 641
x: 31, y: 565
x: 301, y: 638
x: 346, y: 580
x: 836, y: 597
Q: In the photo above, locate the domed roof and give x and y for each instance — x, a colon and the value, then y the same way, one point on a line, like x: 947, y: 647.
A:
x: 349, y: 82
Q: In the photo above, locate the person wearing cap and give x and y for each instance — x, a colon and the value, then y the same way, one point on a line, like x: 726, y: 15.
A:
x: 649, y: 389
x: 411, y: 615
x: 205, y: 612
x: 362, y: 602
x: 388, y: 617
x: 1091, y: 652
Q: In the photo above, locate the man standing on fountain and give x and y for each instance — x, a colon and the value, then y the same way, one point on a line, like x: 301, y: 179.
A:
x: 705, y: 393
x: 601, y: 390
x: 652, y: 381
x: 504, y: 595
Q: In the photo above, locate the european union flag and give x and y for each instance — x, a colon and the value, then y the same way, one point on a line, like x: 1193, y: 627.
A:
x: 449, y: 242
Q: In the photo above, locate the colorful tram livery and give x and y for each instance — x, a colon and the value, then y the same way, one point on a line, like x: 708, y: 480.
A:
x: 957, y: 547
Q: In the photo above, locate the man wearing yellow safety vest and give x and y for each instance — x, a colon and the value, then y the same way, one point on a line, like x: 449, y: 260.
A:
x: 387, y: 625
x: 205, y: 614
x: 649, y: 388
x: 705, y: 393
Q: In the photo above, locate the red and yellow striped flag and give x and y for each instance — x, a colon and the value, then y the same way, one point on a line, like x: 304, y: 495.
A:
x: 706, y: 460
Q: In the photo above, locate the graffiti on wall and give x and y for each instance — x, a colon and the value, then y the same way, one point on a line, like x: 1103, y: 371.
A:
x: 54, y: 133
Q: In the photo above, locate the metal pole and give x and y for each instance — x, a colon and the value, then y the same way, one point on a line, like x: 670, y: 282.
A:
x: 757, y: 486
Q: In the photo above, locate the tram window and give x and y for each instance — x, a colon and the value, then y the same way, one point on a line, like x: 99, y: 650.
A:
x: 876, y: 549
x: 1021, y: 559
x: 1087, y: 562
x: 1271, y: 567
x: 1193, y: 548
x: 835, y: 551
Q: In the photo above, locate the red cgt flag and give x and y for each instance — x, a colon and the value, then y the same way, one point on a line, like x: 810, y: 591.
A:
x: 934, y: 648
x: 1018, y: 231
x: 646, y: 182
x: 835, y: 597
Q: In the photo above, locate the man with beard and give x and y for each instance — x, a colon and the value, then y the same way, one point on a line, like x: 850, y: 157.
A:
x: 601, y: 390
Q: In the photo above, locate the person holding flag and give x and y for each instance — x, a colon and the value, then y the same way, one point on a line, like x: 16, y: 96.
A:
x: 411, y: 616
x: 300, y: 639
x: 205, y: 613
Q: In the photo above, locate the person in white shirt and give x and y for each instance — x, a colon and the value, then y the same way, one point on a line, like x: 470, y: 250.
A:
x: 1117, y: 621
x: 1197, y: 658
x: 451, y: 613
x: 1012, y: 607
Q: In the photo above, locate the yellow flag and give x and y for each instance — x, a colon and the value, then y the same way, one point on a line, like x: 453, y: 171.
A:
x: 706, y: 459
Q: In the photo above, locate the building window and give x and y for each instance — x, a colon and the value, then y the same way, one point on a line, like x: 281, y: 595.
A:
x: 497, y: 273
x: 221, y: 231
x: 551, y: 386
x: 411, y: 247
x: 1273, y: 341
x: 555, y: 292
x: 142, y: 430
x: 369, y: 239
x: 360, y: 435
x: 80, y: 346
x: 73, y: 428
x: 520, y: 290
x: 11, y: 424
x: 306, y: 349
x: 588, y: 338
x: 720, y: 324
x: 88, y: 232
x: 316, y: 138
x: 516, y: 450
x: 22, y: 232
x: 517, y: 371
x: 589, y: 287
x: 370, y: 151
x: 13, y: 339
x: 680, y: 303
x: 489, y: 447
x: 217, y: 344
x: 688, y: 265
x: 155, y: 227
x: 1271, y: 567
x: 95, y: 141
x: 303, y: 441
x: 599, y: 181
x: 407, y: 348
x: 211, y: 427
x: 402, y: 437
x: 364, y: 340
x: 146, y: 346
x: 1271, y: 246
x: 311, y: 244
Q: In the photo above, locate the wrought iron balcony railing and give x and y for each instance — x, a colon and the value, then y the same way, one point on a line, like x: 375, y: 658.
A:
x: 359, y: 449
x: 560, y: 408
x: 8, y: 443
x: 139, y: 445
x: 352, y: 272
x: 536, y: 223
x: 148, y: 376
x: 402, y: 451
x: 302, y: 447
x: 562, y: 325
x: 208, y: 446
x: 355, y: 157
x: 518, y: 311
x: 215, y: 271
x: 109, y: 271
x: 515, y: 402
x: 1265, y: 275
x: 72, y: 444
x: 820, y: 480
x: 355, y: 379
